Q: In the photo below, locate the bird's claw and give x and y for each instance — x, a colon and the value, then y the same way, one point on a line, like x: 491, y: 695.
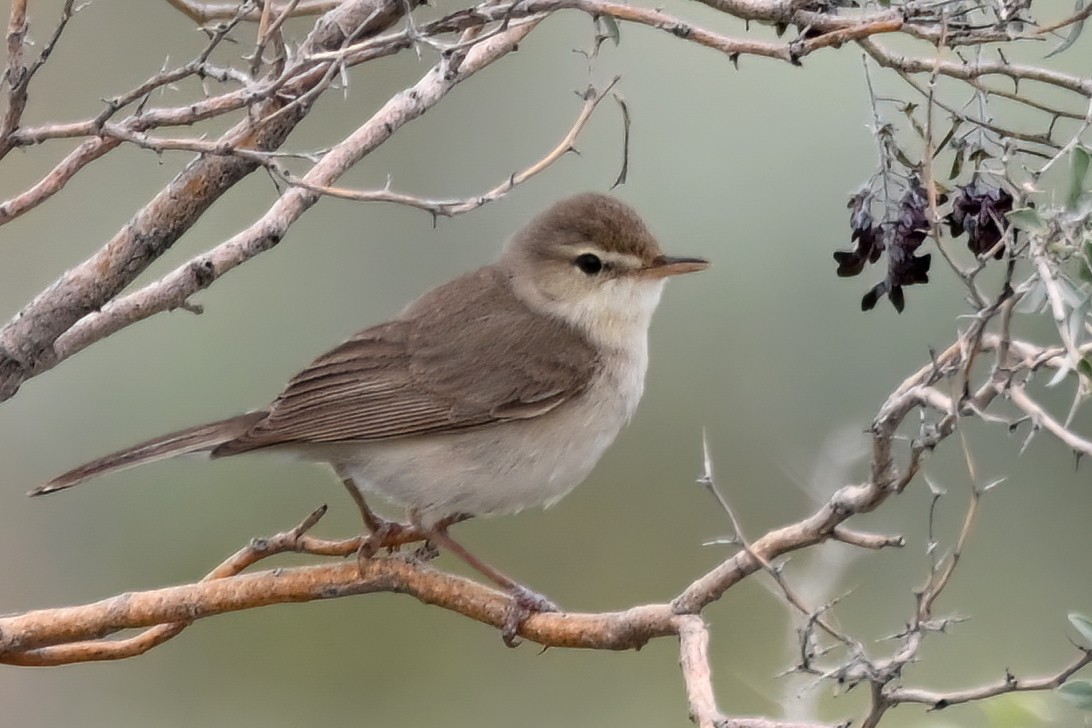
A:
x: 389, y: 535
x: 523, y: 604
x: 385, y: 534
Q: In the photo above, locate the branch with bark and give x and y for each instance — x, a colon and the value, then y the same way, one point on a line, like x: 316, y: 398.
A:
x: 70, y: 314
x: 991, y: 195
x: 86, y: 633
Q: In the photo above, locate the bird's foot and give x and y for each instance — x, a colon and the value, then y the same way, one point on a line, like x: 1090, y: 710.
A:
x: 524, y: 603
x: 384, y: 535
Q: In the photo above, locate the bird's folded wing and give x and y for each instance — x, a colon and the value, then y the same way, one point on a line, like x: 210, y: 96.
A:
x: 464, y: 356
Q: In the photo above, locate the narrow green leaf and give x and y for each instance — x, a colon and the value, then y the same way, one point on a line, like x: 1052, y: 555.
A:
x: 1078, y: 693
x: 624, y: 172
x: 1078, y: 169
x: 1074, y: 32
x: 1034, y: 301
x: 1084, y: 366
x: 903, y: 159
x: 1026, y: 219
x: 1060, y: 373
x: 1083, y: 625
x: 611, y: 29
x: 1016, y: 710
x: 957, y: 164
x: 956, y: 123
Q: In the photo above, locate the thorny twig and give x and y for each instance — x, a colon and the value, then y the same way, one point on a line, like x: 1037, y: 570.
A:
x: 270, y: 97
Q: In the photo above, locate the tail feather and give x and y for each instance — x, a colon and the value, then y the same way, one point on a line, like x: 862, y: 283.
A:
x: 193, y: 439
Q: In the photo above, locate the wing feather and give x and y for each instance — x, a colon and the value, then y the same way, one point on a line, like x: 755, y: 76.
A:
x: 412, y: 376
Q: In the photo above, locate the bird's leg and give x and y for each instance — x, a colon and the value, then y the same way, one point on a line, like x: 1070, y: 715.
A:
x: 382, y: 533
x: 525, y: 602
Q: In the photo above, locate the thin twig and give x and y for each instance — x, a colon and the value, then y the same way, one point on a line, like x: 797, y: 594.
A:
x: 460, y: 206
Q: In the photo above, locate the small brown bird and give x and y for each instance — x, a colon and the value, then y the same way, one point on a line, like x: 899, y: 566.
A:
x: 496, y: 391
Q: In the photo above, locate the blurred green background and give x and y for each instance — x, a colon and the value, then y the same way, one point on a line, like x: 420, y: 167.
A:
x: 768, y: 351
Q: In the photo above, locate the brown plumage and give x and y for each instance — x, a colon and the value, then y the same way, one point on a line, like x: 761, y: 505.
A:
x: 384, y: 381
x: 612, y: 224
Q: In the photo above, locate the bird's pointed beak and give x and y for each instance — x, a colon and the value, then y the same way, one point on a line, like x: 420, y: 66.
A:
x: 666, y: 265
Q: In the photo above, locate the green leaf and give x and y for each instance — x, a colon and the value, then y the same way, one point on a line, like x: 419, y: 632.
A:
x: 1082, y: 624
x: 1083, y: 271
x: 1026, y: 219
x: 1084, y: 366
x: 957, y: 164
x: 1016, y: 710
x: 956, y: 123
x: 1060, y: 373
x: 1078, y: 693
x: 1078, y: 169
x: 1034, y: 300
x: 903, y: 159
x: 1074, y: 31
x: 611, y: 29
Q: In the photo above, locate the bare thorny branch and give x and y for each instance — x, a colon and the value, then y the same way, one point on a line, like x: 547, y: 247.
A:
x: 267, y: 98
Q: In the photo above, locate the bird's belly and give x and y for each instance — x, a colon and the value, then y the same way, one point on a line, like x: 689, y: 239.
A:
x: 499, y: 469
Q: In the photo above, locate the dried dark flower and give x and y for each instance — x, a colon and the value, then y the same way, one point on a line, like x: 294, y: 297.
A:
x: 866, y: 234
x: 979, y: 210
x: 900, y: 238
x: 904, y: 268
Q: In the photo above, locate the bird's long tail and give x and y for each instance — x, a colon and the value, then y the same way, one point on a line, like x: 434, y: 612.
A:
x: 193, y: 439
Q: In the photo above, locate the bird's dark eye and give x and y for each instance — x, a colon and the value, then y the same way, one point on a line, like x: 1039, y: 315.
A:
x: 589, y: 263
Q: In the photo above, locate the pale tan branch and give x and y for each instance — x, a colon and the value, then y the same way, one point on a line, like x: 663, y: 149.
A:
x: 1043, y: 139
x: 28, y: 343
x: 1043, y: 419
x: 103, y: 649
x: 453, y: 207
x: 138, y: 610
x: 16, y: 72
x: 873, y: 541
x: 694, y: 661
x: 790, y: 595
x: 57, y: 178
x: 733, y: 47
x: 204, y: 13
x: 104, y: 134
x: 176, y: 287
x: 974, y: 71
x: 60, y: 636
x: 886, y: 480
x: 938, y: 699
x: 1077, y: 17
x: 134, y: 128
